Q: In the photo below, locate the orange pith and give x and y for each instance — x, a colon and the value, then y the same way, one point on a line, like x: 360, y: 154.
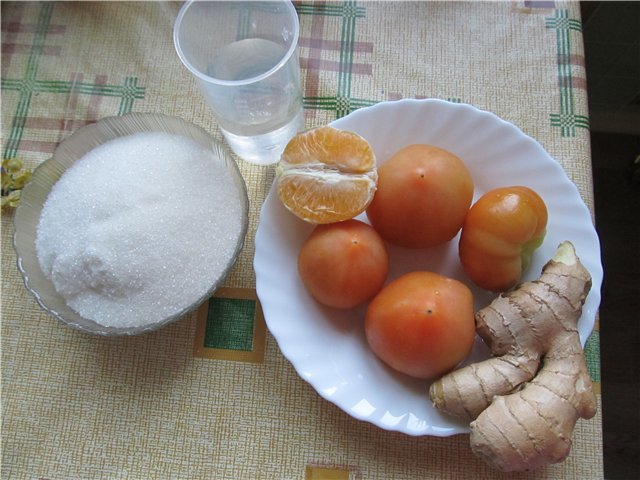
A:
x: 326, y: 175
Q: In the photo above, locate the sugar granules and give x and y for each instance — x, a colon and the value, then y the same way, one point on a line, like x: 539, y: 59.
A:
x: 139, y: 228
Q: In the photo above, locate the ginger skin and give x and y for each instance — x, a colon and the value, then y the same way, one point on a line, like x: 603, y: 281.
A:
x: 523, y: 415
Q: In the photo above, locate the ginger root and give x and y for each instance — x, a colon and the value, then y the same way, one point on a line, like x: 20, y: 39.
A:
x: 523, y: 415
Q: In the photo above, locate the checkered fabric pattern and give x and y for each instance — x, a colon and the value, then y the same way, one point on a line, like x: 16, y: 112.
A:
x: 211, y: 396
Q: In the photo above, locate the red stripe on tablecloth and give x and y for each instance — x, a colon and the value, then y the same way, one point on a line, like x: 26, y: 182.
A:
x: 398, y: 96
x: 576, y: 82
x: 67, y: 123
x: 12, y: 28
x: 317, y: 43
x: 93, y: 110
x: 42, y: 123
x: 572, y: 59
x: 11, y: 48
x: 327, y: 65
x: 10, y: 37
x: 38, y: 146
x: 17, y: 27
x: 312, y: 84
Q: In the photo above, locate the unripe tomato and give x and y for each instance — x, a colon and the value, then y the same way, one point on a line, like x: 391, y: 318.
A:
x: 500, y: 233
x: 343, y: 264
x: 423, y: 195
x: 421, y: 324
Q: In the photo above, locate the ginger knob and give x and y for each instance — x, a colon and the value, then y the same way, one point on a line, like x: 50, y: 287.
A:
x: 524, y: 402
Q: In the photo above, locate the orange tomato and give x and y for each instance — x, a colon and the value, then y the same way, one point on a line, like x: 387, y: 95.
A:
x: 421, y: 324
x: 343, y: 264
x: 500, y: 233
x: 423, y: 195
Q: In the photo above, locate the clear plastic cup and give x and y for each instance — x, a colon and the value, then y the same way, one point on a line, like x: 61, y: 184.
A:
x: 244, y: 57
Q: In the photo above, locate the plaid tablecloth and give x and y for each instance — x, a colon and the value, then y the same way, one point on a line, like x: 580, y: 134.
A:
x: 211, y: 396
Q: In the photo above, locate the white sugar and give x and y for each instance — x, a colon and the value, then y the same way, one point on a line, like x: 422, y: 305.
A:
x: 139, y: 228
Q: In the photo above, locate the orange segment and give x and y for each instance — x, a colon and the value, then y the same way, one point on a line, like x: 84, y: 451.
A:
x: 327, y: 175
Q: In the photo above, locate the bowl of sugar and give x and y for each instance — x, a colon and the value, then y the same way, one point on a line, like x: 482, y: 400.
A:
x: 131, y: 224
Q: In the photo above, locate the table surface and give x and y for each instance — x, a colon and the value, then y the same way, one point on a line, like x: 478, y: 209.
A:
x: 205, y: 397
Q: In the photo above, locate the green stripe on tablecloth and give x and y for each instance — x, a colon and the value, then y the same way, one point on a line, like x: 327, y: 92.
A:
x: 44, y: 18
x: 30, y: 85
x: 244, y: 25
x: 17, y: 125
x: 319, y: 103
x: 128, y: 94
x: 129, y: 89
x: 345, y: 9
x: 567, y: 120
x: 19, y: 119
x: 341, y: 89
x: 342, y: 103
x: 592, y: 356
x: 361, y: 102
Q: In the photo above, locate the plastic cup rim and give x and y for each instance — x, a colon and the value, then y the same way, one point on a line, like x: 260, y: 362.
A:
x: 202, y: 76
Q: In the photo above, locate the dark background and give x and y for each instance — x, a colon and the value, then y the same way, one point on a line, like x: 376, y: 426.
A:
x: 612, y: 55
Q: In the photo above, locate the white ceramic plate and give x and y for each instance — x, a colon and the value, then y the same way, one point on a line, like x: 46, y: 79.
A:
x: 327, y: 347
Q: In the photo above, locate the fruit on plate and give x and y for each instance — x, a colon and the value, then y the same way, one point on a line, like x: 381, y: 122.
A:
x: 523, y: 415
x: 343, y: 264
x: 326, y: 175
x: 423, y: 195
x: 421, y: 324
x: 500, y: 233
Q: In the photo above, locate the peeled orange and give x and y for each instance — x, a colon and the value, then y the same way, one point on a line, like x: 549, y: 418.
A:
x: 326, y: 175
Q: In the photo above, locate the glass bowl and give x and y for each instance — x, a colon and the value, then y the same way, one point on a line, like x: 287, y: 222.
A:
x: 74, y: 147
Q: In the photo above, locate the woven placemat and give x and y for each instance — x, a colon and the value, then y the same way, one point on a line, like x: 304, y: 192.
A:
x: 211, y: 396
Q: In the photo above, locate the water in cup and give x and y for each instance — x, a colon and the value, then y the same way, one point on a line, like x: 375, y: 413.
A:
x: 259, y: 116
